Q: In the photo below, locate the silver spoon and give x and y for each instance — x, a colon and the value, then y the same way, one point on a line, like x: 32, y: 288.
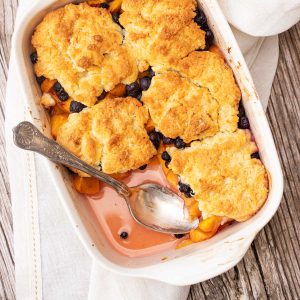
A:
x: 150, y: 204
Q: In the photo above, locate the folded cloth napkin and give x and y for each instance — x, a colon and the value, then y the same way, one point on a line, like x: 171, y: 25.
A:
x: 50, y: 261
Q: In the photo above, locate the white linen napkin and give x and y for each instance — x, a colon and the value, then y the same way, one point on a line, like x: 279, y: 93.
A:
x: 50, y: 261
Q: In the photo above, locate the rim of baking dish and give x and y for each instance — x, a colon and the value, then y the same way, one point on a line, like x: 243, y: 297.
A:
x: 178, y: 270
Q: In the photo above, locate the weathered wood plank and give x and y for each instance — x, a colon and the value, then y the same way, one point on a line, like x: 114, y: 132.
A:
x: 7, y: 287
x: 271, y: 267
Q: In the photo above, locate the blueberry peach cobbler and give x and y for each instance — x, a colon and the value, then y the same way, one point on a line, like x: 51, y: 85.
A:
x: 135, y: 83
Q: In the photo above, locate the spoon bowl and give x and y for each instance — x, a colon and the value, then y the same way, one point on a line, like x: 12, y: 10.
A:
x: 150, y: 204
x: 160, y: 209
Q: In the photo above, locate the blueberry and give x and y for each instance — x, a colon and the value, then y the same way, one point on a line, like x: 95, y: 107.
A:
x: 184, y: 188
x: 76, y: 107
x: 124, y: 235
x: 209, y: 38
x: 139, y: 96
x: 40, y: 79
x: 188, y: 194
x: 243, y: 123
x: 167, y: 140
x: 133, y: 87
x: 63, y: 96
x: 143, y: 167
x: 166, y: 156
x: 179, y: 235
x: 104, y: 5
x: 205, y: 27
x: 34, y: 57
x: 200, y: 17
x: 151, y: 72
x: 154, y: 137
x: 179, y: 143
x: 116, y: 17
x: 102, y: 96
x: 241, y: 110
x: 145, y: 83
x: 255, y: 155
x: 57, y: 87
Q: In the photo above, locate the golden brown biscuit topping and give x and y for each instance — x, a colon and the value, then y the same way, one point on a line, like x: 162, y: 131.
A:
x: 225, y: 179
x: 193, y: 98
x: 111, y: 133
x: 161, y: 31
x: 81, y: 47
x: 209, y: 70
x: 180, y: 108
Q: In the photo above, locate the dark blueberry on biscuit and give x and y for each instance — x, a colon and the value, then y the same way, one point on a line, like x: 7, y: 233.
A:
x: 145, y: 83
x: 183, y: 188
x: 166, y: 156
x: 133, y: 87
x: 205, y: 27
x: 209, y: 38
x: 154, y: 137
x: 34, y: 57
x: 167, y: 140
x: 40, y: 79
x: 179, y: 143
x: 243, y: 123
x: 189, y: 194
x: 57, y: 87
x: 200, y: 17
x: 115, y: 17
x: 179, y: 235
x: 63, y: 96
x: 102, y: 96
x: 104, y: 5
x: 124, y: 235
x: 143, y: 167
x: 186, y: 189
x: 151, y: 72
x: 133, y: 94
x: 255, y: 155
x: 139, y: 96
x: 241, y: 110
x: 76, y: 107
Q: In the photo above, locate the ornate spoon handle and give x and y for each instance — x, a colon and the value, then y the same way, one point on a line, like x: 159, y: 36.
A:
x: 28, y: 137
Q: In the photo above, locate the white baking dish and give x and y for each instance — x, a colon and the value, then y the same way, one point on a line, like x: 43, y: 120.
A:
x: 191, y: 264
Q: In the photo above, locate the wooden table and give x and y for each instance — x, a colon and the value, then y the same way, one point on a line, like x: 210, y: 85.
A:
x: 271, y: 267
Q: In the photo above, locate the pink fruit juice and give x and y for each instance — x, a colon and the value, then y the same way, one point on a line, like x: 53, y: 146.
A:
x: 113, y: 216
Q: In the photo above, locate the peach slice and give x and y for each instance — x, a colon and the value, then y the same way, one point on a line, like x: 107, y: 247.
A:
x: 210, y: 224
x: 47, y: 85
x: 150, y: 125
x: 194, y: 210
x: 215, y: 49
x: 65, y: 106
x: 115, y: 6
x: 57, y: 121
x: 119, y: 90
x: 86, y: 185
x: 184, y: 243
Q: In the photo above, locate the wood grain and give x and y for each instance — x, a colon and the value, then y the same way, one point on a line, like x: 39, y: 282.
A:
x: 7, y: 287
x: 271, y: 267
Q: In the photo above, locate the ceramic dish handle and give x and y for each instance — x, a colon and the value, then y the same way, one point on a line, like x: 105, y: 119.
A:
x: 28, y: 137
